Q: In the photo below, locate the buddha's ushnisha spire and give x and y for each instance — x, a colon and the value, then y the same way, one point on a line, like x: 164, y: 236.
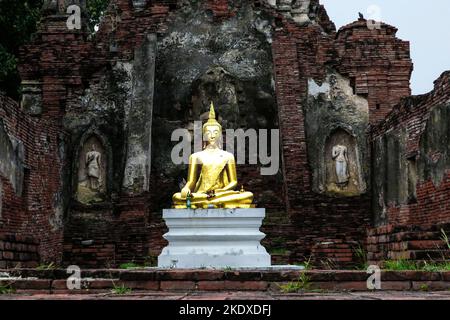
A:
x: 212, y: 118
x: 212, y: 112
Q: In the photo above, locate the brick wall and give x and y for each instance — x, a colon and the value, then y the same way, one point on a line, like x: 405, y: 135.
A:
x: 320, y: 225
x: 18, y: 251
x: 431, y: 205
x: 108, y: 237
x: 31, y: 218
x: 414, y: 242
x: 423, y: 217
x: 378, y: 64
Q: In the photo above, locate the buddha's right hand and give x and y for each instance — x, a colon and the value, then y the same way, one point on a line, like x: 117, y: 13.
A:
x: 184, y: 192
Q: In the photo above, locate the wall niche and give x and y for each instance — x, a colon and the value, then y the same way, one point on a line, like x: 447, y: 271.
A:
x: 92, y: 171
x: 342, y: 165
x: 336, y: 123
x: 434, y: 161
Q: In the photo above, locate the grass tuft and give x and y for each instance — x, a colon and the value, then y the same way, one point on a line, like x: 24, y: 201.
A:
x: 302, y: 284
x: 6, y: 289
x: 444, y: 238
x: 121, y: 290
x: 130, y: 265
x: 408, y: 265
x: 47, y: 266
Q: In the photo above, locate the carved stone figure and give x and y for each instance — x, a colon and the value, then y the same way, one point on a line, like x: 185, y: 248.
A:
x: 93, y: 164
x: 92, y: 172
x: 340, y: 156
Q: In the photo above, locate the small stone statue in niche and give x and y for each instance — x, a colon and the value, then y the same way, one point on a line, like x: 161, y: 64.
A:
x: 92, y: 178
x: 93, y: 164
x: 340, y: 156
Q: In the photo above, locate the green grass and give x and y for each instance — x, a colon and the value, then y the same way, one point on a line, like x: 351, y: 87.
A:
x: 408, y: 265
x: 436, y: 267
x: 121, y: 290
x: 328, y: 264
x: 48, y: 266
x: 302, y: 284
x: 150, y: 261
x: 361, y: 256
x: 308, y: 264
x: 6, y: 290
x: 400, y: 265
x: 130, y: 265
x: 424, y: 287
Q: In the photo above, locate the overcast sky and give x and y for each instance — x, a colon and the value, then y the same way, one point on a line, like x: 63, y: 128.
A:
x: 426, y: 24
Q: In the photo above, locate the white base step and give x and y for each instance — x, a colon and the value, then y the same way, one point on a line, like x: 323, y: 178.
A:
x: 217, y: 238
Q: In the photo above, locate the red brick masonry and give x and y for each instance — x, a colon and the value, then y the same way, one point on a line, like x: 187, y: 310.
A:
x: 103, y: 280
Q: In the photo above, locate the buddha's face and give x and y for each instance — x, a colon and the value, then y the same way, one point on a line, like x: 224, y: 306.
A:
x: 211, y: 134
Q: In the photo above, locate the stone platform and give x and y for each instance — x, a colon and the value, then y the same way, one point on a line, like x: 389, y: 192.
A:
x: 216, y: 238
x: 269, y: 281
x: 237, y: 295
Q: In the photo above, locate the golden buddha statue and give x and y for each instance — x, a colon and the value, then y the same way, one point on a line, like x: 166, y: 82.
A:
x: 212, y: 175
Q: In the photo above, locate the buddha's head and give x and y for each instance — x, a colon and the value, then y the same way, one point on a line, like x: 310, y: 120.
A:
x: 212, y: 130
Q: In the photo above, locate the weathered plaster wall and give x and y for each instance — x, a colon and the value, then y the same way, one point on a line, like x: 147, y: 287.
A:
x: 11, y: 159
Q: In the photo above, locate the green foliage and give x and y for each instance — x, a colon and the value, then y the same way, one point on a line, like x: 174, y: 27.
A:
x: 18, y: 22
x: 96, y: 10
x: 8, y: 62
x: 121, y: 290
x: 6, y: 289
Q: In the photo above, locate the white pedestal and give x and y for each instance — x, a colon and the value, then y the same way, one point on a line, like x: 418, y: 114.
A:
x: 217, y: 238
